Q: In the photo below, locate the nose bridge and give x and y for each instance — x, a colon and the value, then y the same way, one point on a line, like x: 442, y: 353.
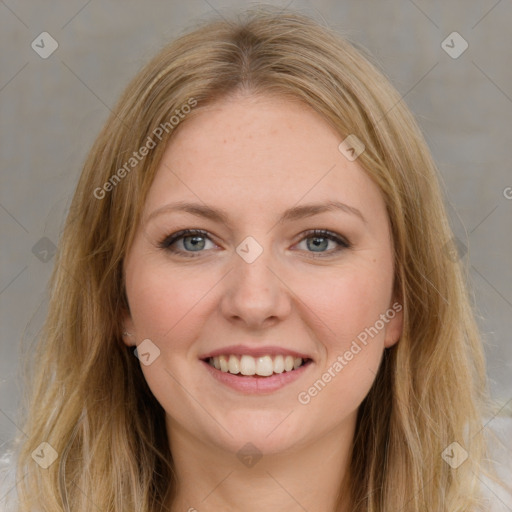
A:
x: 254, y: 291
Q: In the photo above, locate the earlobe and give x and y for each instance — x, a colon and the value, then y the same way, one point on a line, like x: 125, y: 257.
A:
x: 395, y: 325
x: 129, y: 339
x: 128, y: 332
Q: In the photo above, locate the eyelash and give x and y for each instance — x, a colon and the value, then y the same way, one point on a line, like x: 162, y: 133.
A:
x: 169, y: 240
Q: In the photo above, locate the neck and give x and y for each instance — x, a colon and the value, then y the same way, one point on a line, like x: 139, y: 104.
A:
x: 306, y: 477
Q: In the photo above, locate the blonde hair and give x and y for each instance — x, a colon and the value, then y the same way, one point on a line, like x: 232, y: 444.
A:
x: 88, y: 397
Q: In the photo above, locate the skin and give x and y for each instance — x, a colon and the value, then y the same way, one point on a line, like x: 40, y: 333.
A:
x: 256, y: 156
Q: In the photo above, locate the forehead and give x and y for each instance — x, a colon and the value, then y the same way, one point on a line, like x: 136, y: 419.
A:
x: 254, y: 152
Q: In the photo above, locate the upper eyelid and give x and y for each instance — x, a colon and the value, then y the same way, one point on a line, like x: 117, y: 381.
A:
x: 179, y: 235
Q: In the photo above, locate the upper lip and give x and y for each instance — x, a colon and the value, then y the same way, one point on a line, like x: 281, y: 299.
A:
x: 240, y: 350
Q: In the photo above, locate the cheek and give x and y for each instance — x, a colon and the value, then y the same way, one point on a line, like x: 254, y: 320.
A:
x: 164, y: 301
x: 350, y: 301
x: 351, y: 337
x: 353, y: 333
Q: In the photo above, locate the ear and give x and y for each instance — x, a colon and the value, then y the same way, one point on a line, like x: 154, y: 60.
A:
x: 128, y: 329
x: 395, y: 324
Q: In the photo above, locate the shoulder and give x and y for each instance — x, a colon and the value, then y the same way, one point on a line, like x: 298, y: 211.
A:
x: 8, y: 495
x: 499, y: 439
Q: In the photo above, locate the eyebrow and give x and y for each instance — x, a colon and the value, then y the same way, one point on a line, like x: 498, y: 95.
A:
x: 291, y: 214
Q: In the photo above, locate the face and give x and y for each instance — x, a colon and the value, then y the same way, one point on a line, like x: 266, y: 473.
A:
x: 269, y: 276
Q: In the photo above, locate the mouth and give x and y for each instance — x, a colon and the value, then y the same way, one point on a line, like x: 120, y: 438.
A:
x: 264, y: 366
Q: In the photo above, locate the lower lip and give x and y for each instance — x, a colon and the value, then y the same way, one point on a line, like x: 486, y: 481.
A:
x: 256, y: 385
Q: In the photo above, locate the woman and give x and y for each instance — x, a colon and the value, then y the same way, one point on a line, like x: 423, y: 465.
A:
x: 252, y: 307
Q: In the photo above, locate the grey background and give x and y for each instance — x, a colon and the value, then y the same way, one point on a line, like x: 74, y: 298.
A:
x: 52, y: 109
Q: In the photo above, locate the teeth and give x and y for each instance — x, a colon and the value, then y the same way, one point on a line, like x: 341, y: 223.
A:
x: 247, y: 365
x: 223, y: 363
x: 263, y: 366
x: 234, y: 364
x: 279, y: 364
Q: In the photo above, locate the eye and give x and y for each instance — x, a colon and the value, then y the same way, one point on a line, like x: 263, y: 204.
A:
x: 195, y: 240
x: 320, y: 239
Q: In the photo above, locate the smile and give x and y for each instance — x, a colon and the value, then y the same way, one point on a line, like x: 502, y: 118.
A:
x: 263, y: 366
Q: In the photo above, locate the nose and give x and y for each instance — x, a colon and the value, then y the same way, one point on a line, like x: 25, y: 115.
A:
x: 255, y: 293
